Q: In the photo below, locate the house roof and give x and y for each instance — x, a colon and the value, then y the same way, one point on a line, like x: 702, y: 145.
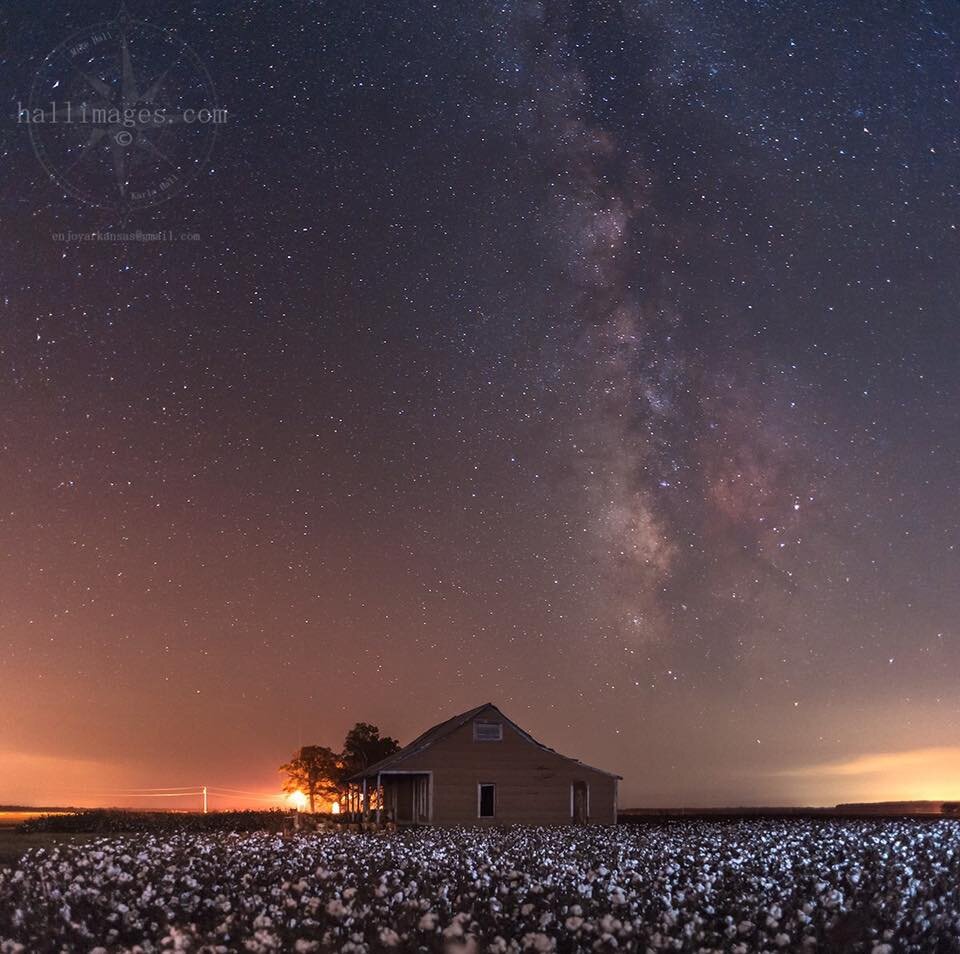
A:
x: 442, y: 729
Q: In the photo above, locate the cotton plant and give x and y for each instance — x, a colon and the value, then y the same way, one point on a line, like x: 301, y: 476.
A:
x: 697, y: 886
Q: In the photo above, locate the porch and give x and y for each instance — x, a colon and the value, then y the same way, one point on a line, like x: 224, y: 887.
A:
x: 405, y: 798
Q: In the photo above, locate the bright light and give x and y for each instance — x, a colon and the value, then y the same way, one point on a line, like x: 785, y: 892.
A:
x: 298, y: 799
x: 335, y: 808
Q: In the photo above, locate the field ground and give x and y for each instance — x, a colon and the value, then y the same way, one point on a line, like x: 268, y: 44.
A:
x: 13, y: 844
x: 832, y: 886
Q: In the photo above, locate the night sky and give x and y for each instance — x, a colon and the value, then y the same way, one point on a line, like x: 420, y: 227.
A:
x: 596, y: 359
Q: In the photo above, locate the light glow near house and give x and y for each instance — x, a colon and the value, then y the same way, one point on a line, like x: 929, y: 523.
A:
x: 298, y: 800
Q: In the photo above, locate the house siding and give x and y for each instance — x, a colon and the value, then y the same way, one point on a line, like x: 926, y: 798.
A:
x: 533, y: 785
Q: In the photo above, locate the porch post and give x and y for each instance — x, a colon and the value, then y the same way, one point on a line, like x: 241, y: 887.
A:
x: 365, y: 808
x: 379, y: 799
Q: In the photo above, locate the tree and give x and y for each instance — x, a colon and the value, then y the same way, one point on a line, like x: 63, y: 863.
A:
x: 363, y: 746
x: 315, y: 771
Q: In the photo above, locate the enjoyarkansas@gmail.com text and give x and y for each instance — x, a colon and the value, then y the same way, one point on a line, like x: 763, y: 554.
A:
x: 166, y: 235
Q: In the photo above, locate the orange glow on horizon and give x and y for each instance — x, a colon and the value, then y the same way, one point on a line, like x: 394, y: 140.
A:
x: 923, y: 774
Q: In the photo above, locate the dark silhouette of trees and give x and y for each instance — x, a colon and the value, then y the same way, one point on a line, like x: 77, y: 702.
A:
x: 363, y: 746
x: 315, y: 771
x: 320, y: 772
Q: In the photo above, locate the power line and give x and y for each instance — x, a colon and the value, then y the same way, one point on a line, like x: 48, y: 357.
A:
x: 240, y: 791
x: 135, y: 795
x: 172, y: 788
x: 183, y: 791
x: 261, y: 798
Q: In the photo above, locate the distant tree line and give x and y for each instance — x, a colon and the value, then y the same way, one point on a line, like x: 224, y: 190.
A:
x: 112, y: 821
x: 321, y: 774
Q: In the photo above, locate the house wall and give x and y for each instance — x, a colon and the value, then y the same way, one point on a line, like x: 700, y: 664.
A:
x: 533, y: 786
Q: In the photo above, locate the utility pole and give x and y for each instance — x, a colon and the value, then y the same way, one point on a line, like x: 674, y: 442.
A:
x: 204, y: 799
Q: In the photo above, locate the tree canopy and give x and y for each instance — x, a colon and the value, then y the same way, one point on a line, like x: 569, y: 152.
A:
x: 364, y: 746
x: 321, y: 773
x: 314, y: 770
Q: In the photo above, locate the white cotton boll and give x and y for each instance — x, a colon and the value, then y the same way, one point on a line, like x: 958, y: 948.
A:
x: 782, y: 940
x: 538, y: 942
x: 833, y: 900
x: 336, y: 909
x: 389, y: 937
x: 610, y: 924
x: 881, y: 949
x: 304, y: 946
x: 573, y: 923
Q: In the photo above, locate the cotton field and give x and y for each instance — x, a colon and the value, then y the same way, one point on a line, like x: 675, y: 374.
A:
x: 748, y: 886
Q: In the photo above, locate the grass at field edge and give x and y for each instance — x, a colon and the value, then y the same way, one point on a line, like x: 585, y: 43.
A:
x: 13, y: 844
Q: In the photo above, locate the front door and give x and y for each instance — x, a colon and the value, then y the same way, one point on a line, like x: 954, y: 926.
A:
x: 580, y: 803
x: 421, y: 798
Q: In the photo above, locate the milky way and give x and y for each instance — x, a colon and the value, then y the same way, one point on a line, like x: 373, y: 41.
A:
x: 693, y: 478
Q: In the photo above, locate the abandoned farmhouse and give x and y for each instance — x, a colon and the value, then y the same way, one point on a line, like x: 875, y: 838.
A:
x: 481, y: 768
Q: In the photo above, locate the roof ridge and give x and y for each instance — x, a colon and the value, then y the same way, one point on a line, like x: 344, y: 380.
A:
x: 426, y: 739
x: 442, y: 729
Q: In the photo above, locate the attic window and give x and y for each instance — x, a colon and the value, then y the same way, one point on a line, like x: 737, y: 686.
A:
x: 487, y: 732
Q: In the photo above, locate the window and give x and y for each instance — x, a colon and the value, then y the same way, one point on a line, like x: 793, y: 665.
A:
x: 486, y: 800
x: 487, y: 732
